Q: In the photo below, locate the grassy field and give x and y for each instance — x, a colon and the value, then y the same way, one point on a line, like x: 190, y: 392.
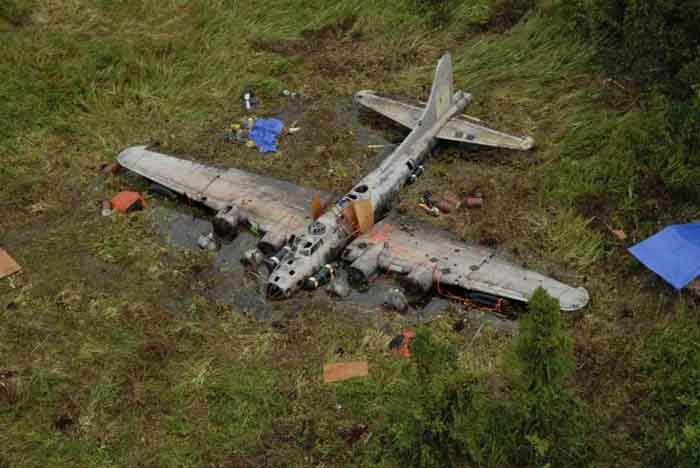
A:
x: 113, y: 354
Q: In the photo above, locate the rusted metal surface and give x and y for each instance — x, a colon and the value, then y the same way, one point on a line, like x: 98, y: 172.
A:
x: 461, y: 128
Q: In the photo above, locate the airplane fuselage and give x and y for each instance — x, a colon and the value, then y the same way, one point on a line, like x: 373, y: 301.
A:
x: 325, y: 238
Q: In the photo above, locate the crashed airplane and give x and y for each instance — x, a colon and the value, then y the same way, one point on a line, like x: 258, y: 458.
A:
x: 301, y: 242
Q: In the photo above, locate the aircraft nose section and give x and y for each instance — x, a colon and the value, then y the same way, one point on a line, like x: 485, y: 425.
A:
x: 274, y: 292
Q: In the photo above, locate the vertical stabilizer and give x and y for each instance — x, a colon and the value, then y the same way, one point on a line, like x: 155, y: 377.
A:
x: 441, y: 94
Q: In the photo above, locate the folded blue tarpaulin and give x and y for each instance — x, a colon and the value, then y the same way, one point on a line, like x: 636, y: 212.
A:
x: 673, y: 253
x: 264, y: 134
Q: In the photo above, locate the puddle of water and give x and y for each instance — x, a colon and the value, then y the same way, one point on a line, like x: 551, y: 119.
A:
x: 231, y: 284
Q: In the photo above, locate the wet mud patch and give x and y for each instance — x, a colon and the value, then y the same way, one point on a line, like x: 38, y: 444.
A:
x: 225, y: 280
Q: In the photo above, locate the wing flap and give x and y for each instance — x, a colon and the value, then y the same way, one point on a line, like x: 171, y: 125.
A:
x: 270, y: 203
x: 414, y: 245
x: 461, y: 129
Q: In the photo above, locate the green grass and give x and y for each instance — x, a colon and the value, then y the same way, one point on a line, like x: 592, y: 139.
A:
x: 113, y: 333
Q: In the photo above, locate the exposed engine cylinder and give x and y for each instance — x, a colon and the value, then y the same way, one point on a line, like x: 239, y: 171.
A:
x: 420, y: 280
x: 226, y: 222
x: 272, y: 242
x: 253, y: 258
x: 365, y: 267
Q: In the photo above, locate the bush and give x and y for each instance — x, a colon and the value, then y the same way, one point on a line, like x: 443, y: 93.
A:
x: 439, y: 416
x: 670, y: 385
x: 550, y: 423
x: 421, y: 406
x: 654, y: 42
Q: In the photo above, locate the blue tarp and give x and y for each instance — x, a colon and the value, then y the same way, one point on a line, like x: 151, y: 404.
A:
x: 264, y: 134
x: 673, y: 253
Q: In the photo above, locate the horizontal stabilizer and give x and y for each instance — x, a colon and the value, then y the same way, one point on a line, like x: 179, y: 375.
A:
x: 461, y: 128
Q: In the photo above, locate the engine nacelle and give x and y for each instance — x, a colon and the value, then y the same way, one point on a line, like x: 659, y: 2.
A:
x: 226, y: 222
x: 363, y: 269
x: 272, y: 242
x: 420, y: 280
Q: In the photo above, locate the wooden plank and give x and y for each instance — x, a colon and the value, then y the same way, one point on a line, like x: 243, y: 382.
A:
x: 8, y: 266
x: 339, y: 371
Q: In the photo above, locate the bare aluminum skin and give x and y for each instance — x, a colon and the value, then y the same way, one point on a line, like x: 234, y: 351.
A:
x: 461, y: 128
x: 425, y: 256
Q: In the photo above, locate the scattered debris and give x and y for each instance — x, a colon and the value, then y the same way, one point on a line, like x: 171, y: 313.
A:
x: 448, y: 202
x: 475, y: 202
x: 673, y: 253
x: 401, y: 343
x: 207, y: 242
x: 395, y: 299
x: 249, y: 99
x: 253, y: 258
x: 325, y: 274
x: 264, y: 134
x: 106, y: 208
x: 340, y: 371
x: 293, y: 130
x: 109, y: 168
x: 8, y: 265
x: 290, y: 94
x: 127, y: 202
x: 431, y: 210
x: 428, y: 205
x: 339, y: 287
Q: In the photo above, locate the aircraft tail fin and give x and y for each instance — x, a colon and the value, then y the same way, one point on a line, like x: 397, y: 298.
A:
x: 442, y: 93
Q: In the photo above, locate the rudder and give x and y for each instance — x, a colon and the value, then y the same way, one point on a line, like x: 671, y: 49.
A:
x: 441, y: 93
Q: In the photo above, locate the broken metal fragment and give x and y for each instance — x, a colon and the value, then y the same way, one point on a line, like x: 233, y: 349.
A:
x: 395, y: 299
x: 338, y: 287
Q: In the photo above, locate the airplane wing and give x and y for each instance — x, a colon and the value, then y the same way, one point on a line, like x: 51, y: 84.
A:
x: 426, y: 254
x: 462, y: 129
x: 272, y: 204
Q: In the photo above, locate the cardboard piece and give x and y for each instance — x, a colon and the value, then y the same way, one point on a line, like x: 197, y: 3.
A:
x: 339, y: 371
x: 316, y: 208
x: 365, y: 214
x: 8, y: 266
